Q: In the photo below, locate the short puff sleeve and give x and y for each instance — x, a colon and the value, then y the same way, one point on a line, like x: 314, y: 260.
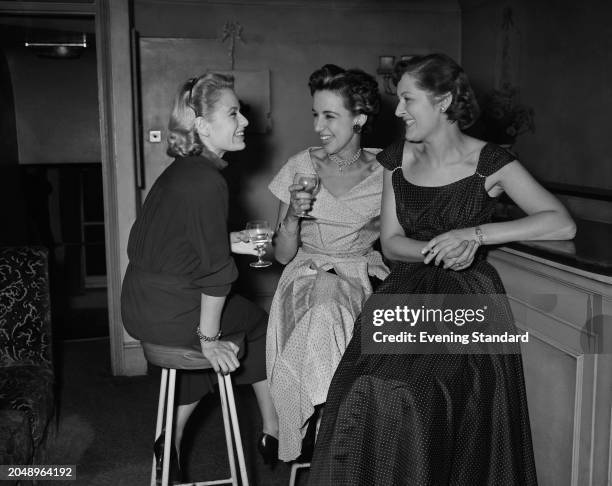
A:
x: 391, y: 157
x: 284, y: 178
x: 493, y: 158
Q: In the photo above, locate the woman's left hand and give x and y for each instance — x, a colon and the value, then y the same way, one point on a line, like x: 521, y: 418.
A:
x: 438, y: 248
x: 240, y: 243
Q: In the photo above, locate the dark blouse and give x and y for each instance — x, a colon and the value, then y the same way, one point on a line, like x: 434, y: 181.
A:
x: 178, y: 249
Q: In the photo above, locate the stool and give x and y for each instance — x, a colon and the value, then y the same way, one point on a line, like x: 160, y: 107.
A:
x: 294, y: 467
x: 170, y: 359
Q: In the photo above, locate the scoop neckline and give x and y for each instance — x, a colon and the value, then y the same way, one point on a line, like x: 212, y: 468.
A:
x: 450, y: 183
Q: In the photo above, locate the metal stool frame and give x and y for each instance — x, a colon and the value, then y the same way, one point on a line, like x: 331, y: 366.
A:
x: 230, y: 422
x: 294, y: 468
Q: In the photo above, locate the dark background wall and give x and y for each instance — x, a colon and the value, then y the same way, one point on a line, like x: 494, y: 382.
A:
x: 565, y: 73
x: 292, y: 39
x: 57, y: 99
x: 12, y: 211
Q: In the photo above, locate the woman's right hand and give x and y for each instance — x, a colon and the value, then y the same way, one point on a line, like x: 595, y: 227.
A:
x: 462, y: 256
x: 299, y: 200
x: 223, y: 355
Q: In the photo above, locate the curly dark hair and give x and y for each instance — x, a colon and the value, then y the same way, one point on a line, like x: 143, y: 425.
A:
x: 439, y: 75
x: 358, y: 89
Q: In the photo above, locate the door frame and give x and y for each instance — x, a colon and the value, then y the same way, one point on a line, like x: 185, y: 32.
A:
x: 112, y: 29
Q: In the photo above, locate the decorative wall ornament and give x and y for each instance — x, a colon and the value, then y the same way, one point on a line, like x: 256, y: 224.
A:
x: 504, y: 116
x: 385, y: 70
x: 507, y: 65
x: 232, y: 32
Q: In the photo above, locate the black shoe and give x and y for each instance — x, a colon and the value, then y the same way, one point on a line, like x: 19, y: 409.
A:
x: 308, y: 442
x: 175, y: 476
x: 267, y: 445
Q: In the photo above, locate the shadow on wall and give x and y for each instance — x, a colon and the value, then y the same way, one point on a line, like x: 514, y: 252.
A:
x: 387, y: 128
x: 245, y: 166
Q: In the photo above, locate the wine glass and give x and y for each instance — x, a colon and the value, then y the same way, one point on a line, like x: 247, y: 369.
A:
x: 309, y: 183
x: 260, y: 234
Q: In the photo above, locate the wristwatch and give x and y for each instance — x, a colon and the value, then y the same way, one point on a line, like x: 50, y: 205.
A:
x: 479, y: 235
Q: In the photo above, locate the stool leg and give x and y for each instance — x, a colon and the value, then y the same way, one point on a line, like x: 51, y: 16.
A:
x: 293, y: 474
x: 168, y: 439
x: 160, y: 416
x: 228, y: 430
x: 236, y: 427
x: 294, y: 468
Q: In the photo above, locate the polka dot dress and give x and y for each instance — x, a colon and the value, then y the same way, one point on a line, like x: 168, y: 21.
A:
x: 436, y: 419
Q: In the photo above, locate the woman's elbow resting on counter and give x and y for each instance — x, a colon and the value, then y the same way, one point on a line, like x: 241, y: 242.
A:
x: 566, y: 228
x: 569, y: 231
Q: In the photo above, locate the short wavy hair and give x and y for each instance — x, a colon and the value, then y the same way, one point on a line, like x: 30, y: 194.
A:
x: 196, y: 97
x: 439, y: 74
x: 358, y: 89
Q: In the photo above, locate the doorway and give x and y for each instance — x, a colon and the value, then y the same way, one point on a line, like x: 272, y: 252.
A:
x: 54, y: 166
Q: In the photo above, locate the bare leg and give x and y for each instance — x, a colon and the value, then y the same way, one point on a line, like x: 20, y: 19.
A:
x: 183, y: 412
x: 266, y: 408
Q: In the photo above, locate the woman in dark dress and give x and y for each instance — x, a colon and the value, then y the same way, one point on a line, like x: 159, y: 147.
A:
x: 438, y: 419
x: 176, y: 290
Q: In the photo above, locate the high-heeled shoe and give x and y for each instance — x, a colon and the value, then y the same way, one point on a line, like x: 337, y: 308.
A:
x: 267, y: 445
x: 175, y: 476
x: 308, y: 442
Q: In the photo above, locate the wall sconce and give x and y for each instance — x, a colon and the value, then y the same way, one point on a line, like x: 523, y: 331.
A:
x: 385, y: 70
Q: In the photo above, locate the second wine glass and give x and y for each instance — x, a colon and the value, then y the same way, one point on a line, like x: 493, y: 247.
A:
x: 260, y: 234
x: 309, y: 183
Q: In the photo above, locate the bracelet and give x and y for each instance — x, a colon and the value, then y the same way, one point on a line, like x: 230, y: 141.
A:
x: 479, y: 235
x: 208, y: 339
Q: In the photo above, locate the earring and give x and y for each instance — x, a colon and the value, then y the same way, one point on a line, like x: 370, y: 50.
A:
x: 357, y: 128
x: 443, y: 109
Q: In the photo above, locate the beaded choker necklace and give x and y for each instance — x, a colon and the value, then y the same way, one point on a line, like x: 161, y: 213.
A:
x: 343, y: 163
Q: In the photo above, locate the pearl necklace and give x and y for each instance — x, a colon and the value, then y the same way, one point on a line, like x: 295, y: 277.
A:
x: 343, y: 163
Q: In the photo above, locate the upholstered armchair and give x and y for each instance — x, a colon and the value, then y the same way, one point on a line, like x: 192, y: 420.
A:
x: 26, y: 370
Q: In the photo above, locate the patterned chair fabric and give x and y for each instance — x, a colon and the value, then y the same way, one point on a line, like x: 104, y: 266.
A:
x: 25, y: 312
x: 26, y: 370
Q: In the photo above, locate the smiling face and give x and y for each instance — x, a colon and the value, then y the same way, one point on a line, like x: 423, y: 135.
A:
x: 223, y: 130
x: 333, y: 122
x: 421, y: 114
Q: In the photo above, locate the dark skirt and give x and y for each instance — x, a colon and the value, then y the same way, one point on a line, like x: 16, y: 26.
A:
x: 240, y: 316
x: 426, y: 419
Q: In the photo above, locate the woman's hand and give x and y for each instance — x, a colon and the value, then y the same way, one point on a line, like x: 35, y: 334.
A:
x: 240, y: 243
x: 299, y: 200
x: 451, y: 244
x: 223, y: 355
x: 464, y: 259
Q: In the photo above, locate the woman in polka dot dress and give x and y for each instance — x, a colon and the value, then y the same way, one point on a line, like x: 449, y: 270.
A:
x: 438, y: 419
